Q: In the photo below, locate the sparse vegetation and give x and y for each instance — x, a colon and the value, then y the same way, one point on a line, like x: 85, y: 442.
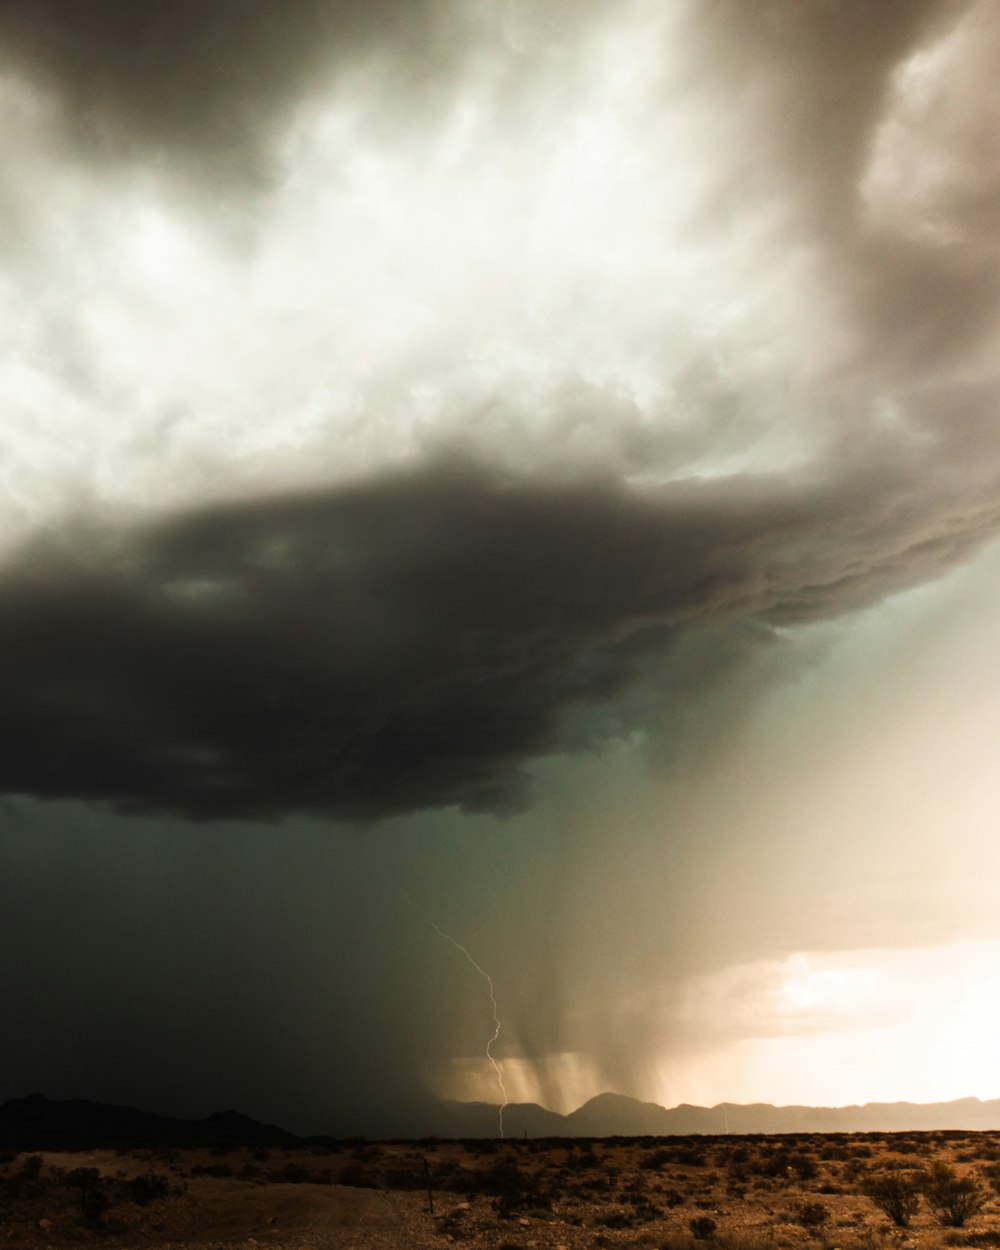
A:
x: 811, y: 1215
x: 852, y: 1192
x: 953, y: 1198
x: 896, y: 1194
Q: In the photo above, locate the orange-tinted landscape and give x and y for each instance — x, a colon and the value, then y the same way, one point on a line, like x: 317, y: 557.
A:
x: 808, y: 1191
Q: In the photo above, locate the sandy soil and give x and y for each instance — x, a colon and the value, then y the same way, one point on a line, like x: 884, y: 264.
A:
x: 795, y: 1192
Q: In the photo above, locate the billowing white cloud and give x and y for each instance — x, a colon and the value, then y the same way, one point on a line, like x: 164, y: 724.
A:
x: 836, y: 1028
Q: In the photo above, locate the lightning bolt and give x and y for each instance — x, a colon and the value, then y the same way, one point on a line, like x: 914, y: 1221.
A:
x: 498, y: 1071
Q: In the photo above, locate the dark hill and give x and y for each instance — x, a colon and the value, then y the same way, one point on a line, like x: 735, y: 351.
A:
x: 37, y: 1123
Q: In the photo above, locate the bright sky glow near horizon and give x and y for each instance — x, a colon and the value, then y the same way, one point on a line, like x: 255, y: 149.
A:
x: 535, y: 460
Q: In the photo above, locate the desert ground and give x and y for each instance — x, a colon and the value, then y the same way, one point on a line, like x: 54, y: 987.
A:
x: 677, y: 1193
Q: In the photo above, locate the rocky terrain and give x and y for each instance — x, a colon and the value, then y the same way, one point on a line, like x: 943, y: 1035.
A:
x: 793, y: 1191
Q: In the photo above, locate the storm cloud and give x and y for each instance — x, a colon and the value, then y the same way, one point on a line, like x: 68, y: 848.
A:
x: 194, y: 80
x: 557, y: 438
x: 416, y: 641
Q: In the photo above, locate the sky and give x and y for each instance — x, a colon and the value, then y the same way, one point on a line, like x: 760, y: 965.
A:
x: 508, y: 476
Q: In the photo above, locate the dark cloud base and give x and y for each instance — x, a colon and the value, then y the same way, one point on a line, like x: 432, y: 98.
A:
x: 193, y: 79
x: 417, y: 640
x: 414, y: 641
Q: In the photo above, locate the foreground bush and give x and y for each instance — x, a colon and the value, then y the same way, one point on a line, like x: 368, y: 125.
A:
x: 953, y: 1198
x: 896, y: 1194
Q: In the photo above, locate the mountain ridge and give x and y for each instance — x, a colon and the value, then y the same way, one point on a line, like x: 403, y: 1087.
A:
x: 619, y: 1115
x: 38, y: 1123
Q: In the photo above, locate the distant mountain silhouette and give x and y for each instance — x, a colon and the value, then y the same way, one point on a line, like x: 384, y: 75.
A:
x: 617, y: 1115
x: 37, y: 1123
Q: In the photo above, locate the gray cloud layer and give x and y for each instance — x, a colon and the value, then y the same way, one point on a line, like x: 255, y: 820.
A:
x: 415, y: 641
x: 209, y: 86
x: 196, y: 79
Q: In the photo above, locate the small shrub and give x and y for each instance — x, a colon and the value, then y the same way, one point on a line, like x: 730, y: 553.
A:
x: 94, y: 1197
x: 811, y: 1215
x: 702, y: 1227
x: 25, y: 1181
x: 953, y: 1198
x: 991, y: 1174
x: 142, y: 1190
x: 31, y: 1167
x: 896, y: 1194
x: 515, y: 1192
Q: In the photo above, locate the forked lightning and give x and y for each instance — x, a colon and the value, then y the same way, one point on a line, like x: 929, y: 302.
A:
x: 493, y: 1004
